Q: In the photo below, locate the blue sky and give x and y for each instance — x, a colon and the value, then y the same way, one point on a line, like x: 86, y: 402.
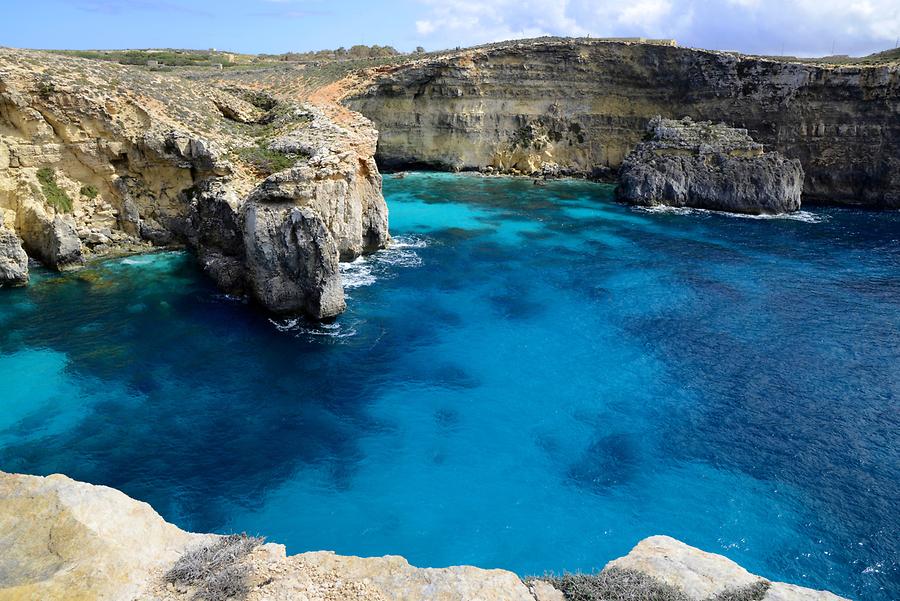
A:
x: 802, y: 27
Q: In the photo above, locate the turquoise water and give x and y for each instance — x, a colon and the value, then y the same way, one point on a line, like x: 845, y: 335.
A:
x: 533, y: 378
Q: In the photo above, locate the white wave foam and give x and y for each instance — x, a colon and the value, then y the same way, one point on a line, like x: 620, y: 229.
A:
x: 804, y: 216
x: 365, y: 271
x: 357, y: 273
x: 302, y: 327
x: 408, y: 242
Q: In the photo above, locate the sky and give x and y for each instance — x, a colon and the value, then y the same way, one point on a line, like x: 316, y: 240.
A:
x: 795, y: 27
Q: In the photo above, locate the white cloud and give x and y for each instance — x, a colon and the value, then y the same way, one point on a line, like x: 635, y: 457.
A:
x: 802, y: 27
x: 645, y: 14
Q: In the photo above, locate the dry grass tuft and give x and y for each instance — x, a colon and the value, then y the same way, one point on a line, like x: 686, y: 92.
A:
x: 215, y: 570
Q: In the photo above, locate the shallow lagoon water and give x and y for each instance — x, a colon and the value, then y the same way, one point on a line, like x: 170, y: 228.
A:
x: 532, y: 378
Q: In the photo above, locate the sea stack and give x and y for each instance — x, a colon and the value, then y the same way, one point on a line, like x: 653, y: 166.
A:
x: 708, y: 166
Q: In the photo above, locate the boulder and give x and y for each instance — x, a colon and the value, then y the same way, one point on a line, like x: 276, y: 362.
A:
x: 63, y: 539
x: 13, y: 260
x: 50, y: 238
x: 707, y: 166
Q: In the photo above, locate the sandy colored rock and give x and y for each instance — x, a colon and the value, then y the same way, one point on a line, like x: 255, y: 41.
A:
x: 63, y: 539
x: 780, y: 591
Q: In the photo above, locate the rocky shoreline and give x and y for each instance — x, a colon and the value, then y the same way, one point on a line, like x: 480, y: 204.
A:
x: 99, y: 157
x: 67, y: 540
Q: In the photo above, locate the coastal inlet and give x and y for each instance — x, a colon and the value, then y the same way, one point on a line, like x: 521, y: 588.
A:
x: 597, y: 373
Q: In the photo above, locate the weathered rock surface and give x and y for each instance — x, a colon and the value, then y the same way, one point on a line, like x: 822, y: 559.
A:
x: 48, y: 237
x: 13, y: 260
x: 702, y: 575
x: 292, y: 260
x: 583, y: 105
x: 63, y: 539
x: 707, y: 166
x: 140, y: 158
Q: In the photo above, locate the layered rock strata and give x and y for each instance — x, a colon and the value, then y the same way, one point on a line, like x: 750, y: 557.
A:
x: 581, y: 106
x: 708, y: 166
x: 64, y: 539
x: 99, y: 158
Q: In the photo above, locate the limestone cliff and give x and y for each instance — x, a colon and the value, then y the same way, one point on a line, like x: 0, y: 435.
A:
x: 65, y: 540
x: 708, y: 166
x: 99, y: 158
x: 580, y: 106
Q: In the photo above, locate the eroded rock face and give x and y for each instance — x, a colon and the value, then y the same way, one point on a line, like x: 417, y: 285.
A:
x: 583, y: 105
x: 292, y: 260
x: 98, y: 158
x: 65, y: 540
x: 708, y: 166
x: 13, y: 260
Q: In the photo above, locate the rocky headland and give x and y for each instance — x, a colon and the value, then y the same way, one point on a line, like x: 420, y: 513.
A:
x: 66, y: 540
x: 708, y: 166
x: 580, y: 106
x: 98, y: 158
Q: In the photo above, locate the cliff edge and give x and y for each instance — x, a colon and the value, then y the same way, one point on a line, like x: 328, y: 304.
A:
x: 62, y: 539
x: 580, y: 106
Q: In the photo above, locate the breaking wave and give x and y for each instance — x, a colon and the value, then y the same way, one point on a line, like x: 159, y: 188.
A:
x: 365, y: 271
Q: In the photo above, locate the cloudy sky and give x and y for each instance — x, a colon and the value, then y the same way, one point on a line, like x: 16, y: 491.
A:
x: 799, y: 27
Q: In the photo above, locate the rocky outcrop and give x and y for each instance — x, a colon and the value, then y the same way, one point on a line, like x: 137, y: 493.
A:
x: 292, y: 261
x: 699, y: 575
x: 63, y: 539
x: 581, y: 106
x: 13, y: 260
x: 49, y: 237
x: 99, y: 158
x: 708, y: 166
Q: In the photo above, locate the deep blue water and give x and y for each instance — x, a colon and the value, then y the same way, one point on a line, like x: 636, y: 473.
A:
x: 534, y: 378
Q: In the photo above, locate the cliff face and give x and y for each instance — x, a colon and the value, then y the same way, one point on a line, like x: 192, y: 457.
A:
x: 99, y: 158
x: 69, y: 540
x: 581, y: 106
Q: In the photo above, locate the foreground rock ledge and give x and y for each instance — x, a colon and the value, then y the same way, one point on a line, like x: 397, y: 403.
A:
x: 62, y: 539
x: 708, y: 166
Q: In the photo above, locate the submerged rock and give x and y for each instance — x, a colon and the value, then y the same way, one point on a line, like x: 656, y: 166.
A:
x: 13, y: 260
x: 707, y: 166
x: 64, y: 539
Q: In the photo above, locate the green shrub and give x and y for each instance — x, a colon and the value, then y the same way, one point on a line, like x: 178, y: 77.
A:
x: 56, y: 196
x: 46, y: 88
x: 89, y: 192
x: 266, y: 161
